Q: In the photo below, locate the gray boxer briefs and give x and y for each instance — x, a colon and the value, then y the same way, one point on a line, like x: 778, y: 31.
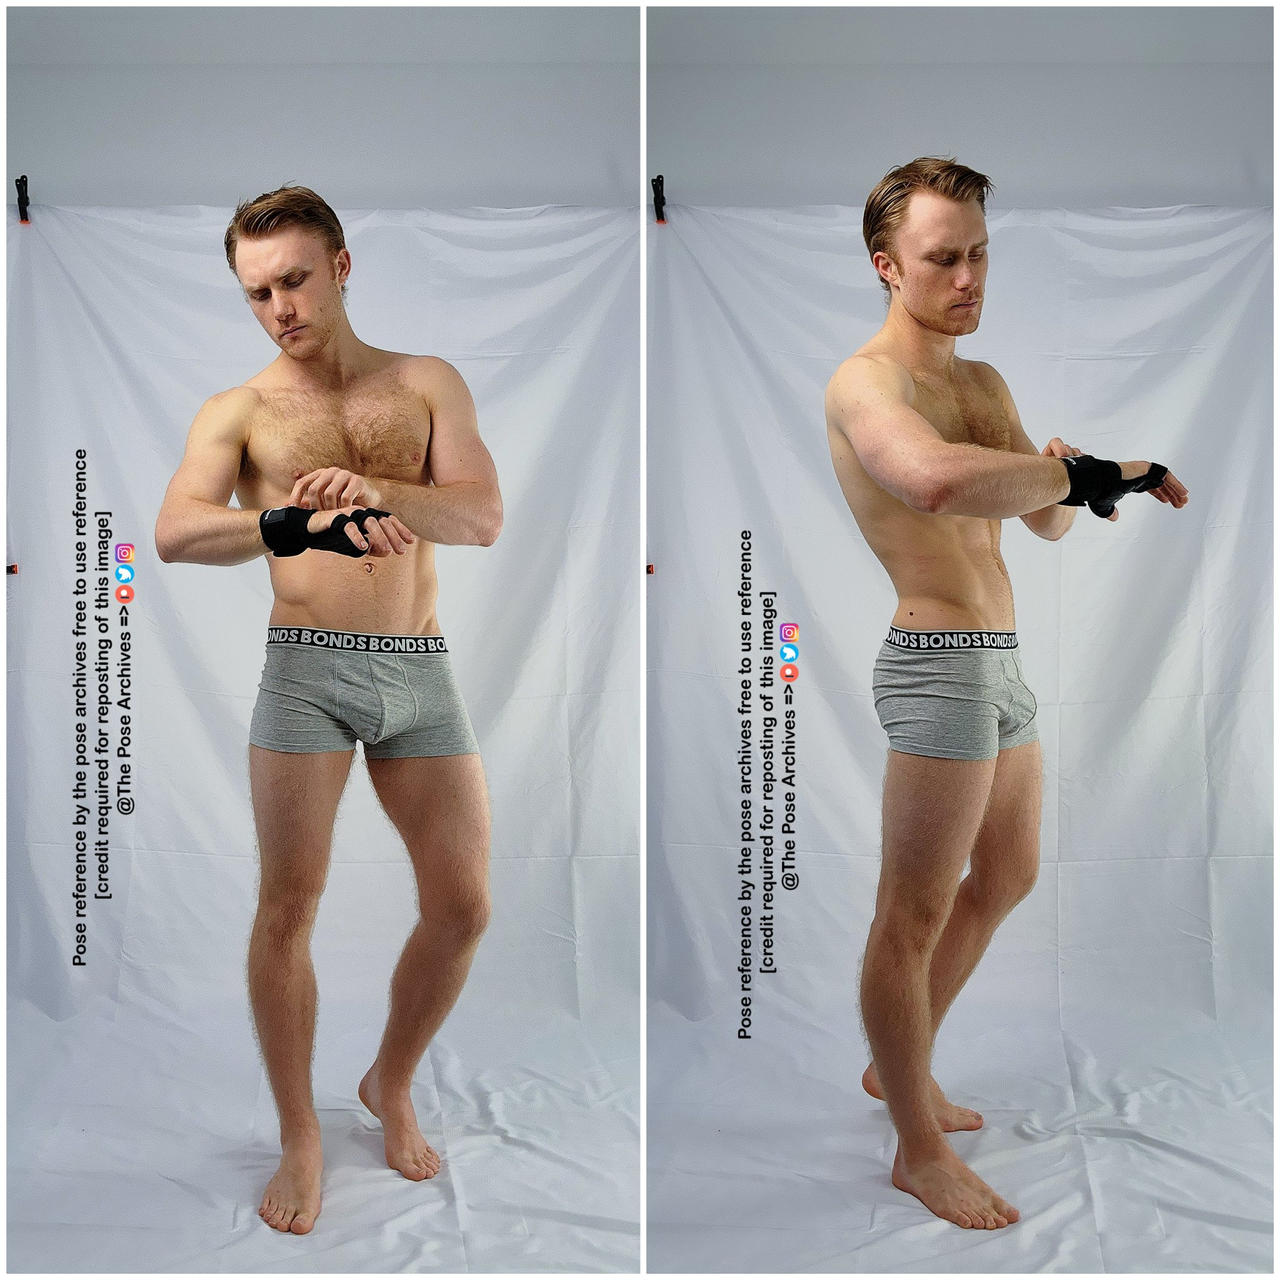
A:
x: 321, y: 690
x: 955, y: 694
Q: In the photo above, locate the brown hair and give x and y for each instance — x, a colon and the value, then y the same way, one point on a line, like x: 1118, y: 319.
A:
x: 886, y: 206
x: 285, y: 207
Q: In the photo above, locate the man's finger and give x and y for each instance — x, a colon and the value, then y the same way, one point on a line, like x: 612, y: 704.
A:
x: 391, y: 528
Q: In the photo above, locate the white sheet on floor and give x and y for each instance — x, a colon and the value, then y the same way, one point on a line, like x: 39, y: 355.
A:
x: 1117, y: 1035
x: 141, y: 1128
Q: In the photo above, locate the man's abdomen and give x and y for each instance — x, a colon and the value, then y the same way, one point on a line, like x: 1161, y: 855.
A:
x: 394, y: 595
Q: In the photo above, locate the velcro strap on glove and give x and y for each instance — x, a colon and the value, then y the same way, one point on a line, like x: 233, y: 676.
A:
x: 284, y: 530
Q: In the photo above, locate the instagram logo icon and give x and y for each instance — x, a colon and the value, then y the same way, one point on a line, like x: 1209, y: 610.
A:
x: 124, y: 552
x: 789, y: 631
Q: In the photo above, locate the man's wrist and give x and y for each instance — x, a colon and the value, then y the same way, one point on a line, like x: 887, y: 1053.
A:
x: 284, y: 530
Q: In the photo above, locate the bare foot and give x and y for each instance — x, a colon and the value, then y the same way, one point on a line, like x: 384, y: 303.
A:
x: 949, y: 1116
x: 946, y: 1186
x: 407, y: 1150
x: 291, y: 1201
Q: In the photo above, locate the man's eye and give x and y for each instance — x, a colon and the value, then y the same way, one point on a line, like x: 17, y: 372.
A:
x: 944, y: 262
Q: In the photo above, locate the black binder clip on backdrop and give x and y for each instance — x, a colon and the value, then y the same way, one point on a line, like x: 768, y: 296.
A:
x: 23, y: 202
x: 659, y: 200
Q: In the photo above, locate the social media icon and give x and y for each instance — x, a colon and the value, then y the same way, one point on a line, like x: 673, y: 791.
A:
x: 124, y: 573
x: 789, y: 631
x: 789, y: 652
x: 788, y: 672
x: 124, y: 594
x: 124, y: 552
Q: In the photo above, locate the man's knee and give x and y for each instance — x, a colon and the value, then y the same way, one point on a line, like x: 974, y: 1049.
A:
x: 461, y: 914
x: 999, y: 892
x: 285, y: 910
x: 911, y: 924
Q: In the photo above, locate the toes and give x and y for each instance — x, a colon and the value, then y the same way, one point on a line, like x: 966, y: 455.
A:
x: 302, y: 1224
x: 286, y: 1218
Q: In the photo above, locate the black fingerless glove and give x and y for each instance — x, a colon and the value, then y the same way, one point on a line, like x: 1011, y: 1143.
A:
x: 1096, y: 482
x: 284, y: 530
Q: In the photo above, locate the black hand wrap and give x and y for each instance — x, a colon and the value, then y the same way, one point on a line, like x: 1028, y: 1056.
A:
x: 1096, y: 482
x: 284, y: 530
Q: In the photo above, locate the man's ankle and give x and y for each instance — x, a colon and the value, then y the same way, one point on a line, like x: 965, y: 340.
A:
x: 301, y: 1134
x: 923, y: 1148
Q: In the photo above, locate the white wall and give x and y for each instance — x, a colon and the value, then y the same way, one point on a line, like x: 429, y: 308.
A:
x: 1061, y: 107
x: 375, y: 108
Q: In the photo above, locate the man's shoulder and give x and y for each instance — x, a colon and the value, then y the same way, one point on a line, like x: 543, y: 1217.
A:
x: 423, y: 373
x: 870, y: 370
x: 986, y: 375
x: 235, y: 404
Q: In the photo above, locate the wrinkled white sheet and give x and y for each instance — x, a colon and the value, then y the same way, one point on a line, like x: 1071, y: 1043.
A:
x: 1117, y: 1035
x: 141, y: 1128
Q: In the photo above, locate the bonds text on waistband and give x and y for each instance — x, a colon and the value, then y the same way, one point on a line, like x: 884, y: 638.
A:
x: 358, y: 641
x: 952, y: 639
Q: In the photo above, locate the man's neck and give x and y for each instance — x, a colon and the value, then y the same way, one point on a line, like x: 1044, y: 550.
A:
x: 342, y: 359
x: 921, y: 350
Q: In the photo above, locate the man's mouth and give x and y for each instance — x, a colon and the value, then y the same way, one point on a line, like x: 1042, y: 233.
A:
x: 296, y: 328
x: 972, y: 303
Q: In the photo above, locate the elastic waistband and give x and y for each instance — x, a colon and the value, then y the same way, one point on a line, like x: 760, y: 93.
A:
x: 357, y: 641
x: 952, y: 639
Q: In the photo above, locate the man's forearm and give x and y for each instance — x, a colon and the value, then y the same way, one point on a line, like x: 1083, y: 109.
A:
x: 1050, y: 522
x: 198, y: 532
x: 467, y: 513
x: 994, y: 484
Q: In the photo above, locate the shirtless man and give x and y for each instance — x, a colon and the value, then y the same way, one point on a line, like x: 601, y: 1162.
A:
x: 332, y: 429
x: 931, y: 457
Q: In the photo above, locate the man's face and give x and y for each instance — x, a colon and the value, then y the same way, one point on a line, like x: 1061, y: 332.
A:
x: 294, y: 286
x: 938, y: 265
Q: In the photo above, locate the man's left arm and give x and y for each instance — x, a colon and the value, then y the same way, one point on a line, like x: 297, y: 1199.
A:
x: 458, y: 503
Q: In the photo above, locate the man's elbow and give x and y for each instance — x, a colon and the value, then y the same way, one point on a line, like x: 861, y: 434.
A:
x: 933, y: 496
x: 166, y: 548
x: 490, y: 524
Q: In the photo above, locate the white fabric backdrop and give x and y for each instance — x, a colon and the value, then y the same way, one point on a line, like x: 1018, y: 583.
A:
x: 142, y: 1131
x: 1117, y: 1036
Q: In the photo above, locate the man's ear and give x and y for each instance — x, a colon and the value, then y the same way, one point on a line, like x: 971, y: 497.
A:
x: 343, y: 265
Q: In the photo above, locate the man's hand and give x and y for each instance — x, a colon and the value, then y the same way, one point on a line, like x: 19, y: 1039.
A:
x: 387, y: 536
x: 331, y: 488
x: 1171, y: 488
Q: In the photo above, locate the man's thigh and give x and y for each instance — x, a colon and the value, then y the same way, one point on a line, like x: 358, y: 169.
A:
x: 931, y: 815
x: 440, y: 807
x: 1006, y: 854
x: 295, y: 801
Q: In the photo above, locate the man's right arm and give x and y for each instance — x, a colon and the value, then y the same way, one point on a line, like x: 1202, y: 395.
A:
x: 195, y: 524
x: 868, y: 402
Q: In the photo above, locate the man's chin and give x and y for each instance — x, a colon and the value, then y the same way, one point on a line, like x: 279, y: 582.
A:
x: 963, y: 320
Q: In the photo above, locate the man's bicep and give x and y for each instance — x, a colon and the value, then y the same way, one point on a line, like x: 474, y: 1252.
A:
x: 898, y: 447
x: 455, y: 452
x: 211, y: 461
